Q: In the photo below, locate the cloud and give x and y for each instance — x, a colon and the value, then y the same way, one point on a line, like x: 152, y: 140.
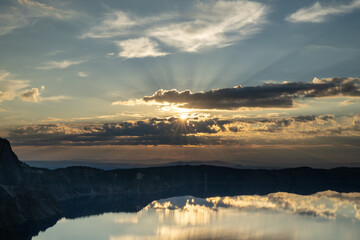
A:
x: 9, y: 87
x: 139, y: 48
x: 310, y: 125
x: 193, y: 131
x: 82, y: 74
x: 347, y: 102
x: 226, y: 98
x: 207, y: 25
x: 213, y: 24
x: 318, y: 13
x: 171, y: 131
x: 115, y: 23
x: 33, y: 95
x: 130, y: 102
x: 56, y: 98
x: 30, y: 95
x: 328, y: 87
x: 269, y: 95
x: 61, y: 64
x: 23, y: 13
x: 150, y: 132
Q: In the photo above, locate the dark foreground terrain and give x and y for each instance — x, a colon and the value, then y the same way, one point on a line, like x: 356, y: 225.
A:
x: 33, y: 199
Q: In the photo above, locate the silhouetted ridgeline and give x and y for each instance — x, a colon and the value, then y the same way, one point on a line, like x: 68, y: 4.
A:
x: 29, y: 195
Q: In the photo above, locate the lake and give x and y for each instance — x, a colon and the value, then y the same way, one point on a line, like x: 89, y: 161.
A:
x: 324, y: 215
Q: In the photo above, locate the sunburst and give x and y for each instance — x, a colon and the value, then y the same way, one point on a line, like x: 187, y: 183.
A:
x: 184, y: 116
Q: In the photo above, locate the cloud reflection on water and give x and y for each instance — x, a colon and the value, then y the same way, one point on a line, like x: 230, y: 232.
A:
x: 324, y: 215
x: 327, y: 204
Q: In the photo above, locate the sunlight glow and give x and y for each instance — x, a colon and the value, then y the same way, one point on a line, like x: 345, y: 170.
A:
x: 184, y: 116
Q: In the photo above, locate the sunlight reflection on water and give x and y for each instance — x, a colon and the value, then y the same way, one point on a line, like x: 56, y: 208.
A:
x: 325, y: 215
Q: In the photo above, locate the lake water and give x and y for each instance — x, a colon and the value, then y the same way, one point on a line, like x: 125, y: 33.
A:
x: 325, y: 215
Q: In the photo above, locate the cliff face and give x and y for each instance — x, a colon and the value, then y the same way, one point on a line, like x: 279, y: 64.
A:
x: 21, y: 196
x: 28, y: 194
x: 10, y: 166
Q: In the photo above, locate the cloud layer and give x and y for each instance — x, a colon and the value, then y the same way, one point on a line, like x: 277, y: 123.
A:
x: 208, y: 24
x: 26, y: 12
x: 195, y: 131
x: 265, y: 96
x: 318, y: 13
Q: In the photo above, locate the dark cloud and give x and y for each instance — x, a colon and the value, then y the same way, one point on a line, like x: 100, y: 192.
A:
x: 158, y: 131
x: 327, y: 117
x: 153, y: 131
x: 265, y: 96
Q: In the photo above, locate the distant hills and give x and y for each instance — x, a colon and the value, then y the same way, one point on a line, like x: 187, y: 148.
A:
x: 54, y: 164
x: 30, y: 194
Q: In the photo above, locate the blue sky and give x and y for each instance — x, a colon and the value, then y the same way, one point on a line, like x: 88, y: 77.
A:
x: 70, y: 66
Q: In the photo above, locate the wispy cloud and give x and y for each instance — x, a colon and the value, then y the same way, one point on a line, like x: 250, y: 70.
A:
x: 56, y: 98
x: 269, y: 95
x: 11, y: 88
x: 26, y: 12
x: 130, y: 102
x: 210, y: 24
x: 115, y: 23
x: 318, y: 13
x: 347, y: 102
x: 139, y: 48
x: 82, y: 74
x: 61, y: 64
x: 54, y: 52
x: 213, y: 25
x: 34, y: 95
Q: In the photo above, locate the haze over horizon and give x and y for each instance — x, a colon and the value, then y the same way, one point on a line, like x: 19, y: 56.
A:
x: 252, y: 83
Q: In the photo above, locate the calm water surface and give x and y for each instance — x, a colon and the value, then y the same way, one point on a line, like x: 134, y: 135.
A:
x: 325, y: 215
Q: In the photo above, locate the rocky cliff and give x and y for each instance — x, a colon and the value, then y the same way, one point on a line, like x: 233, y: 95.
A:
x: 20, y: 195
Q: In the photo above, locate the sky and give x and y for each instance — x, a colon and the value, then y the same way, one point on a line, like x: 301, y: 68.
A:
x: 266, y: 83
